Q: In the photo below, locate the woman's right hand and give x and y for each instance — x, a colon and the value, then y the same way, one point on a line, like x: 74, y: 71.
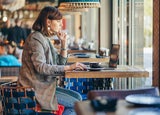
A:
x: 63, y: 38
x: 77, y: 65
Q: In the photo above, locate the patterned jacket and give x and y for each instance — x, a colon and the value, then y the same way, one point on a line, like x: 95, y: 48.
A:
x: 40, y: 65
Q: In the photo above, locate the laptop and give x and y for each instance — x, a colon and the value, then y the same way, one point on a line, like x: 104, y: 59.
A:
x: 114, y: 57
x: 113, y: 62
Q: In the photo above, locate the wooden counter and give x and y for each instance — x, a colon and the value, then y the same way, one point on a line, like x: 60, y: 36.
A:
x: 81, y: 51
x: 120, y: 72
x: 73, y: 59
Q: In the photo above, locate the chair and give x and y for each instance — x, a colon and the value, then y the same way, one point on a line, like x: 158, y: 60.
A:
x: 17, y: 100
x: 121, y: 94
x: 10, y: 70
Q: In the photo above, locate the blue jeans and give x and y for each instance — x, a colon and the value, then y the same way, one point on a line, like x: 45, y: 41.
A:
x: 67, y: 98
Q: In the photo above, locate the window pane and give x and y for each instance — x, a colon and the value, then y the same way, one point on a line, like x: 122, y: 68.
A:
x: 134, y: 33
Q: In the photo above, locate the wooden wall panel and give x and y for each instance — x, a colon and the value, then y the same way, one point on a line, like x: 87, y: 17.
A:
x: 156, y: 43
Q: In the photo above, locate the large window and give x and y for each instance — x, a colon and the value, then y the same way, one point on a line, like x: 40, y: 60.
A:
x: 132, y: 29
x: 83, y: 27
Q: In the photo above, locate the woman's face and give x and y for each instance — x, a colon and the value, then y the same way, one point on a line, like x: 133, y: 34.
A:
x: 10, y: 49
x: 55, y: 25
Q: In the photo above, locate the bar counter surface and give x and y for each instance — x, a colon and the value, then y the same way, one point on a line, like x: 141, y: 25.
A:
x: 119, y: 72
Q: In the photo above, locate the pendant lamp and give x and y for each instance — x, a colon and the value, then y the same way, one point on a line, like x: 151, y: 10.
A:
x: 73, y: 9
x: 77, y: 5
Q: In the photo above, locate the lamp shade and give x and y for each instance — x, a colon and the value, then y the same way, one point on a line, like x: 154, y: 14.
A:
x: 73, y: 9
x: 78, y: 5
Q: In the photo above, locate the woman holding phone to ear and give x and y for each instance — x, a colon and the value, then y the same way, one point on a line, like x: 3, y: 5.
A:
x: 41, y: 63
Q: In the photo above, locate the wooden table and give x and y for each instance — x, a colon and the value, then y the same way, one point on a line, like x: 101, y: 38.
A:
x: 8, y: 79
x: 81, y: 51
x: 84, y: 108
x: 119, y: 72
x: 104, y: 78
x: 72, y: 59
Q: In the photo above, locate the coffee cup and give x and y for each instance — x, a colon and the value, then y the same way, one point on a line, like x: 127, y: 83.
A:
x: 94, y: 65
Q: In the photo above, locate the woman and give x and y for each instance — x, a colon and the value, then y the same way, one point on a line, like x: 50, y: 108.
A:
x: 14, y: 50
x: 6, y: 59
x: 41, y: 64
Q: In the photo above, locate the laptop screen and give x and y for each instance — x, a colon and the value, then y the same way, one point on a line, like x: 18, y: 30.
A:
x: 114, y: 55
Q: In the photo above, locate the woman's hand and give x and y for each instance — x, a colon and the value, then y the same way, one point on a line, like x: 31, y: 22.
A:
x: 75, y: 66
x: 63, y: 38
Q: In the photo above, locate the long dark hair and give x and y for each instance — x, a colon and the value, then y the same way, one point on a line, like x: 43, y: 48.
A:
x: 47, y: 12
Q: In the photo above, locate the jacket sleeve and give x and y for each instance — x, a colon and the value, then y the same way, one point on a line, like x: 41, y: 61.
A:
x: 39, y: 60
x: 61, y: 60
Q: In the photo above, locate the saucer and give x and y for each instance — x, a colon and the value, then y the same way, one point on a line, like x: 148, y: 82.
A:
x: 143, y: 100
x: 95, y: 69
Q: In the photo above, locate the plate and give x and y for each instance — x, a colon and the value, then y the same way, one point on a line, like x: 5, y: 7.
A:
x: 79, y: 54
x: 82, y: 56
x: 109, y: 68
x: 95, y: 69
x: 145, y: 111
x: 143, y: 99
